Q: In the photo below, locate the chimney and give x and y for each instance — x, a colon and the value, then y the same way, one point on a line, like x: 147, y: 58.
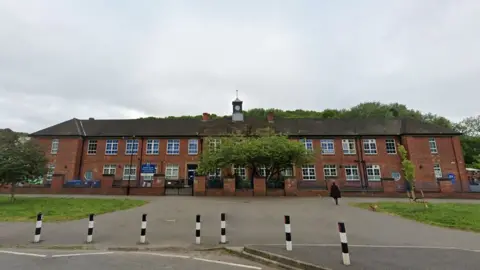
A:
x: 270, y: 117
x: 205, y: 116
x: 91, y: 118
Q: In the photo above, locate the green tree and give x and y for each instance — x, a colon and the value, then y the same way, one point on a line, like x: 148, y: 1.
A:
x: 276, y: 152
x: 20, y: 160
x: 408, y: 168
x: 470, y: 126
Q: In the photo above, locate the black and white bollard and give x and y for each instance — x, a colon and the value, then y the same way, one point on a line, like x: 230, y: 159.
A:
x: 197, y: 230
x: 343, y: 240
x: 38, y: 228
x: 143, y: 230
x: 90, y: 228
x: 223, y: 232
x: 288, y: 233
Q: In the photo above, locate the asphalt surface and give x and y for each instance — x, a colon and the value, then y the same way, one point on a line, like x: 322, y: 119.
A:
x: 74, y: 260
x: 250, y: 221
x: 381, y: 258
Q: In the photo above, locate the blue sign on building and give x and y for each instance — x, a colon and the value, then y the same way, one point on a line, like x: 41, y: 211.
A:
x: 452, y: 177
x: 148, y: 169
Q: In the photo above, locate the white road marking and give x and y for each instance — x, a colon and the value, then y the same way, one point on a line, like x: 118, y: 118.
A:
x: 370, y: 246
x: 228, y: 263
x: 161, y: 255
x: 81, y: 254
x: 23, y: 253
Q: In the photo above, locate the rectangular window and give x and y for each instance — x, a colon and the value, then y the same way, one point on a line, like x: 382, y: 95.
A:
x: 308, y: 144
x: 213, y: 144
x: 172, y: 172
x: 390, y: 145
x: 111, y: 147
x: 129, y: 172
x: 131, y: 147
x: 437, y: 170
x: 351, y: 172
x: 173, y: 147
x: 192, y: 146
x: 109, y: 169
x: 50, y: 171
x: 330, y: 170
x: 370, y: 146
x: 92, y: 147
x: 308, y: 172
x: 262, y: 171
x: 153, y: 147
x: 328, y: 146
x: 240, y: 172
x: 54, y: 148
x: 348, y: 146
x: 373, y: 172
x: 433, y: 145
x: 216, y: 173
x: 287, y: 172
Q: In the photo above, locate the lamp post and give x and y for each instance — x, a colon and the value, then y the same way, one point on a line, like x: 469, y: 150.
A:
x: 130, y: 167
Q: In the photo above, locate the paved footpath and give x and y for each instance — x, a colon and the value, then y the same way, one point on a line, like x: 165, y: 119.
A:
x: 250, y: 221
x: 80, y: 260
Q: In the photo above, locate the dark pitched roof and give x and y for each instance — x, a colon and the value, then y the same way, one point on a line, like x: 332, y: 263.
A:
x: 197, y: 127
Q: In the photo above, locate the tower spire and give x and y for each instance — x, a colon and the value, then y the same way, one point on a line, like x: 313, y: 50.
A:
x: 237, y: 93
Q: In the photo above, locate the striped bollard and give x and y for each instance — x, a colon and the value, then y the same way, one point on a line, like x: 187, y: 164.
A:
x: 38, y: 228
x: 143, y: 230
x: 223, y: 232
x: 288, y: 233
x: 90, y: 228
x: 343, y: 240
x: 197, y: 230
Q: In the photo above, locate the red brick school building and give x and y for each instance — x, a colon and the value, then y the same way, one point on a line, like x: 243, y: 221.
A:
x: 359, y: 154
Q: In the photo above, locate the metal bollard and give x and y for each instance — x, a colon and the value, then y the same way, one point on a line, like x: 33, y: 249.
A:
x: 90, y: 228
x: 197, y: 230
x: 288, y: 233
x: 38, y: 228
x: 343, y: 240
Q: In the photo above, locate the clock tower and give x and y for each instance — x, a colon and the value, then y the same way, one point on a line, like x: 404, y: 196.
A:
x: 237, y: 114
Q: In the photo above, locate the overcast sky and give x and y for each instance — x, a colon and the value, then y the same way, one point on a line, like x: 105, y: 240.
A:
x: 122, y: 59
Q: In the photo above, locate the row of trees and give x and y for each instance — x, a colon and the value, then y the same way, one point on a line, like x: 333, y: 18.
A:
x: 470, y: 127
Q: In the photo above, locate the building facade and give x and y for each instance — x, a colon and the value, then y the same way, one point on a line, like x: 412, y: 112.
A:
x: 356, y: 153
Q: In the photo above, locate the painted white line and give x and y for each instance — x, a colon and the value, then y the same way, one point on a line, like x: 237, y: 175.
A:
x: 370, y: 246
x: 23, y: 253
x: 228, y: 263
x: 162, y: 255
x: 80, y: 254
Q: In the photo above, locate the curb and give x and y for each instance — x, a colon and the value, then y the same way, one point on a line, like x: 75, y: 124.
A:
x: 297, y: 264
x: 239, y: 252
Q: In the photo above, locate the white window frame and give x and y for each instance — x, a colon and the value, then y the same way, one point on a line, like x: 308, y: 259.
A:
x: 131, y: 147
x: 172, y: 171
x: 129, y: 171
x: 216, y: 173
x: 213, y: 144
x: 92, y: 147
x: 309, y: 173
x: 113, y: 147
x: 193, y: 147
x: 240, y: 171
x: 374, y: 173
x: 50, y: 172
x: 370, y: 146
x: 308, y: 143
x: 347, y: 145
x: 110, y: 169
x: 173, y: 147
x: 391, y: 142
x: 352, y: 176
x: 433, y: 145
x: 262, y: 171
x: 287, y: 172
x: 325, y: 145
x: 437, y: 171
x: 54, y: 146
x: 153, y: 147
x: 330, y: 170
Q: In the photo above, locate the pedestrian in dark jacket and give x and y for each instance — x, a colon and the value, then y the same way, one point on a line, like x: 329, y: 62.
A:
x: 335, y: 192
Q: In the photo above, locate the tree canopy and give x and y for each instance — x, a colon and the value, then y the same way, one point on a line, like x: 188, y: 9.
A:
x: 20, y: 160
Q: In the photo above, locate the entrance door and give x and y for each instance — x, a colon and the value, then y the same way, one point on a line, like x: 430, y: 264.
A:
x: 191, y: 169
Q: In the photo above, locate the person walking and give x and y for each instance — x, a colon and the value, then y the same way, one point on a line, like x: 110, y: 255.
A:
x: 335, y: 192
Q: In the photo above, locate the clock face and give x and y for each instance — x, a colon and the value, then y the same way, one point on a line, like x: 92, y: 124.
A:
x: 237, y: 107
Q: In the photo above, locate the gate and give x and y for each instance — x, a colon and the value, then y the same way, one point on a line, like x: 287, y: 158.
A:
x: 178, y: 187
